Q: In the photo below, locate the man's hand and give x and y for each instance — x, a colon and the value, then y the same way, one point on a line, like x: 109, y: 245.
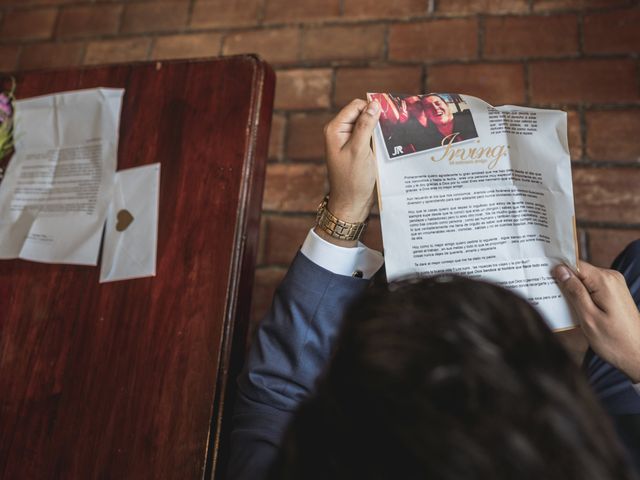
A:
x: 607, y: 314
x: 351, y: 164
x: 350, y: 160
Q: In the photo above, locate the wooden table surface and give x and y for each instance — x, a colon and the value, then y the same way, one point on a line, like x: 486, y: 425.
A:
x: 129, y: 379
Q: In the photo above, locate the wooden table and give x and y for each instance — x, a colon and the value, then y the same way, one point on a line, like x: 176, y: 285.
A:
x: 129, y: 379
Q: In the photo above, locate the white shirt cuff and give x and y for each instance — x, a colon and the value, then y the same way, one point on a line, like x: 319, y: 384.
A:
x: 353, y: 262
x: 636, y: 386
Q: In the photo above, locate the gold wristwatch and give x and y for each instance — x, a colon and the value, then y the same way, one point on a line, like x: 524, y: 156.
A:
x: 333, y: 226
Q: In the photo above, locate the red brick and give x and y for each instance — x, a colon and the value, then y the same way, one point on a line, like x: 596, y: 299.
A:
x: 303, y: 89
x: 613, y: 135
x: 343, y: 43
x: 284, y: 236
x: 575, y: 81
x: 493, y: 83
x: 276, y: 138
x: 295, y: 187
x: 261, y: 235
x: 574, y: 132
x: 607, y: 194
x: 24, y: 3
x: 51, y: 55
x: 305, y: 139
x: 225, y: 13
x: 187, y: 46
x: 155, y: 16
x: 89, y: 20
x: 300, y: 10
x: 9, y: 58
x: 434, y: 40
x: 606, y: 244
x: 547, y: 5
x: 356, y: 82
x: 117, y: 51
x: 265, y: 283
x: 361, y: 9
x: 277, y: 46
x: 513, y: 37
x: 28, y: 24
x: 481, y: 6
x: 612, y: 32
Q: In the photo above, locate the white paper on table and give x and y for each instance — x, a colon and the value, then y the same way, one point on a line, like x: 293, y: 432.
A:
x: 131, y: 252
x: 496, y: 206
x: 58, y: 185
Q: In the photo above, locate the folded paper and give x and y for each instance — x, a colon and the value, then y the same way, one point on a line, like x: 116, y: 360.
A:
x: 131, y: 231
x: 58, y: 185
x: 476, y: 190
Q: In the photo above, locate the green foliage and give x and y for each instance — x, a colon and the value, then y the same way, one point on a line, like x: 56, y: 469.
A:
x: 6, y: 122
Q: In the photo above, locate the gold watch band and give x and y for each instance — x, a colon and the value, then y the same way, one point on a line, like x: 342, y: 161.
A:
x: 333, y: 226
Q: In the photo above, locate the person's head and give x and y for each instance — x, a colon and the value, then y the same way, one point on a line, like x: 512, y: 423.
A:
x: 414, y: 106
x: 437, y: 109
x: 449, y: 378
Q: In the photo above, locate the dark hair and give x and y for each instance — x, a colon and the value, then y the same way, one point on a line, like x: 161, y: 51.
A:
x: 434, y: 95
x: 449, y: 378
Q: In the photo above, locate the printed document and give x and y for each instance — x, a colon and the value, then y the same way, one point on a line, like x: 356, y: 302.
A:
x: 58, y: 185
x: 476, y: 190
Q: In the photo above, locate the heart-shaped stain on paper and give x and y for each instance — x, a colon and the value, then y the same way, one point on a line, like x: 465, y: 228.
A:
x: 124, y: 220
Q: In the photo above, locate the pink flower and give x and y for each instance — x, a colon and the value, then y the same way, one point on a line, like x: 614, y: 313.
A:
x: 6, y: 109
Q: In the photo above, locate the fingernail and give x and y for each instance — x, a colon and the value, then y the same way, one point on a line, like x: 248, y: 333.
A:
x: 562, y: 273
x: 373, y: 108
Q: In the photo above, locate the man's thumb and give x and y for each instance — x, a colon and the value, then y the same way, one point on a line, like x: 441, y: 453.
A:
x: 364, y: 126
x: 574, y: 290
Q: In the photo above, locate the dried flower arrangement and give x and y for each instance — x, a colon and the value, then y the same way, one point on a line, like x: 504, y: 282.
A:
x: 7, y: 100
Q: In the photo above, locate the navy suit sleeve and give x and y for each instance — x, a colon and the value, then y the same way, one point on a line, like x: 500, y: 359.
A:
x: 291, y: 349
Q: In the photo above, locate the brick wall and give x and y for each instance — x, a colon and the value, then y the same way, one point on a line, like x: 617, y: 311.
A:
x: 579, y: 55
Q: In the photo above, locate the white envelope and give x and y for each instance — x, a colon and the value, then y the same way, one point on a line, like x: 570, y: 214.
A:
x: 131, y: 252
